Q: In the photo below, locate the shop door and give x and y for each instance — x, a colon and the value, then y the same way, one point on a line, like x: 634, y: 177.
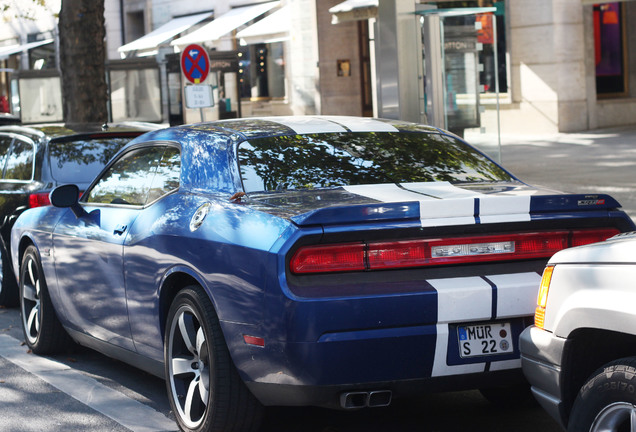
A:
x: 461, y: 92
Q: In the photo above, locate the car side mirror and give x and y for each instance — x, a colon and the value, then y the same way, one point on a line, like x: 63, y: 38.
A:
x: 66, y: 196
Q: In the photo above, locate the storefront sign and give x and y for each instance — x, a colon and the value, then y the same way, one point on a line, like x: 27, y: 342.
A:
x: 224, y: 61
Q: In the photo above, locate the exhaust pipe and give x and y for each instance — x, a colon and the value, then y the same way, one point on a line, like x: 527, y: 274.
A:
x: 372, y: 399
x: 380, y: 398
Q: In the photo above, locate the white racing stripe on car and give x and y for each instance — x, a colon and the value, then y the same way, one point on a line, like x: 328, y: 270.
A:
x: 463, y: 298
x: 494, y: 209
x: 387, y: 192
x: 442, y: 204
x: 459, y: 300
x: 433, y: 211
x: 127, y: 412
x: 440, y: 368
x: 308, y: 125
x: 505, y: 364
x: 440, y: 189
x: 447, y: 212
x: 516, y: 293
x: 365, y: 124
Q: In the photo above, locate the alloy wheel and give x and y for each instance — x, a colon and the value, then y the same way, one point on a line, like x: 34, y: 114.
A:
x: 619, y: 416
x: 31, y: 302
x: 189, y: 366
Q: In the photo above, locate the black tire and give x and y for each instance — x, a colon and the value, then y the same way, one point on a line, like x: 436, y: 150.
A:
x: 204, y: 388
x: 43, y: 332
x: 515, y: 395
x: 8, y: 286
x: 607, y: 400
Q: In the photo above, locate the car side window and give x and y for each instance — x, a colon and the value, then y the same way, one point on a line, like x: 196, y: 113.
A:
x: 5, y: 144
x: 166, y: 177
x: 128, y: 180
x: 19, y: 165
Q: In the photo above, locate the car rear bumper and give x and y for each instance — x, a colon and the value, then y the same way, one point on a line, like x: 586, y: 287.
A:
x: 376, y: 394
x: 541, y: 353
x: 399, y: 361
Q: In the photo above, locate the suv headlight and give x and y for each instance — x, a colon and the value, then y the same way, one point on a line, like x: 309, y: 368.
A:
x: 542, y: 299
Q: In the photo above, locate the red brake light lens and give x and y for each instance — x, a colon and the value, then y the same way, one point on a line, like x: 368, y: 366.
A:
x: 314, y: 259
x: 397, y: 254
x: 39, y: 200
x: 583, y: 237
x: 433, y: 252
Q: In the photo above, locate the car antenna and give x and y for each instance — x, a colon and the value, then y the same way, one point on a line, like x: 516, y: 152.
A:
x: 236, y: 198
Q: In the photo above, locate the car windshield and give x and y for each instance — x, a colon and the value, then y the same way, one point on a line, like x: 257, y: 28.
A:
x: 81, y: 161
x: 343, y: 159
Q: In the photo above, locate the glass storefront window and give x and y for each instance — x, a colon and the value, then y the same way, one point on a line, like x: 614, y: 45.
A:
x: 611, y: 79
x: 462, y: 73
x: 135, y: 94
x: 40, y: 99
x: 486, y: 36
x: 262, y: 71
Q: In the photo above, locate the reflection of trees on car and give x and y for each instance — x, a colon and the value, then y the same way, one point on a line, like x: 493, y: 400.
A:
x: 340, y: 159
x: 130, y: 180
x: 86, y: 152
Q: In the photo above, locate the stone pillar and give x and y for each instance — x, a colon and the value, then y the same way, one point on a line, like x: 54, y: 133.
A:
x: 396, y: 50
x: 301, y: 65
x: 548, y: 73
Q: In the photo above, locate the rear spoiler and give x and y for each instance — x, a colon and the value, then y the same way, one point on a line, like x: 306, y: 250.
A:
x: 459, y: 211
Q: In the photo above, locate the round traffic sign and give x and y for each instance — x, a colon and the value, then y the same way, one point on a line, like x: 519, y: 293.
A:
x: 195, y: 63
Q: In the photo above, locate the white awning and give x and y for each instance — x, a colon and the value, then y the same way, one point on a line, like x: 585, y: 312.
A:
x: 590, y: 2
x: 272, y: 28
x: 354, y: 10
x: 226, y: 23
x: 7, y: 51
x: 164, y: 33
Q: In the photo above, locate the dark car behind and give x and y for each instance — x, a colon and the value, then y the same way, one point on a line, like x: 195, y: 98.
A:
x: 36, y: 159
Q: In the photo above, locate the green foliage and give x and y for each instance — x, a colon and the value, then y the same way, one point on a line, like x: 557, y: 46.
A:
x: 27, y: 9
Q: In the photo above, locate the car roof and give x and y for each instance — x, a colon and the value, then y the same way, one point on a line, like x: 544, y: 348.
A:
x: 299, y: 125
x: 262, y: 127
x: 57, y: 131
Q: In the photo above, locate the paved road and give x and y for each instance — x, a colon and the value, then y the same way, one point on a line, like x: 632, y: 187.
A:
x: 86, y: 391
x: 602, y: 161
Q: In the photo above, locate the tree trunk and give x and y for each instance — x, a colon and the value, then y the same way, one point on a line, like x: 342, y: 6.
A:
x: 82, y: 63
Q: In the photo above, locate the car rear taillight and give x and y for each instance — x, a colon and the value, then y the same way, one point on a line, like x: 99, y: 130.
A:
x: 344, y: 257
x: 433, y: 252
x: 39, y: 199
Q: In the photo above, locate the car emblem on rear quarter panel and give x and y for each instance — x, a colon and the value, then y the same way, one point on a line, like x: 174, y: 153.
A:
x: 590, y: 200
x: 199, y: 216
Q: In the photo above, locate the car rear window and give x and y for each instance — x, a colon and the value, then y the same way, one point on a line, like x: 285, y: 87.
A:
x: 80, y: 161
x: 343, y: 159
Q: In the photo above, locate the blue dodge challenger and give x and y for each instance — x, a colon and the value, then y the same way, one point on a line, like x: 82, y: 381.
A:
x: 329, y: 261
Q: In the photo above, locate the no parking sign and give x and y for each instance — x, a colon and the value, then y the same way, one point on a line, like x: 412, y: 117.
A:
x: 195, y: 63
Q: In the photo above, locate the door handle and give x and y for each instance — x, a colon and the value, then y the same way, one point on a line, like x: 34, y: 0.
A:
x: 120, y: 229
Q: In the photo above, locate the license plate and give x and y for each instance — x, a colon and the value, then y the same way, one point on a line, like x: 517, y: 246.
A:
x: 484, y: 339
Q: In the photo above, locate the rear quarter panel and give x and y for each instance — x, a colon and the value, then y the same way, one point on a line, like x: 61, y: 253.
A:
x: 228, y: 255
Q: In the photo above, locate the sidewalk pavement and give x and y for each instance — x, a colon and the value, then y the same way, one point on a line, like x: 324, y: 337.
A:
x: 598, y: 161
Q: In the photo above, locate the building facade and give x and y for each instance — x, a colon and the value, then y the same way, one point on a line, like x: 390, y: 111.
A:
x: 512, y: 66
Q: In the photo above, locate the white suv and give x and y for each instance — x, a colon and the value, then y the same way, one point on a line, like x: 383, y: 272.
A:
x: 580, y: 356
